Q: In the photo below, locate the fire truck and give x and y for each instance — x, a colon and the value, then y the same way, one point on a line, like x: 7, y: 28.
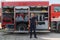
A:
x: 15, y: 16
x: 55, y: 17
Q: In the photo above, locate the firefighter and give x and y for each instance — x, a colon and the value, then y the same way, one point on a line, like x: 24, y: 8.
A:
x: 32, y: 25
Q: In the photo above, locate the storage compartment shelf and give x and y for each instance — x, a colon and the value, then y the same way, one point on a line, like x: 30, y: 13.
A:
x: 8, y: 14
x: 39, y: 11
x: 8, y: 9
x: 38, y: 8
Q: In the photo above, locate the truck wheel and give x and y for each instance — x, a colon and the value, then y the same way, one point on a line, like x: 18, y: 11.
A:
x: 22, y: 27
x: 59, y: 29
x: 51, y: 30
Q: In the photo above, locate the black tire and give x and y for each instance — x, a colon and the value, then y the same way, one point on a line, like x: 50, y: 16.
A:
x: 51, y: 30
x: 22, y: 26
x: 59, y: 29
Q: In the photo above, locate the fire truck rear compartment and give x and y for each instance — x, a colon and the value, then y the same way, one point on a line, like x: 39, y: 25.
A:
x: 21, y: 15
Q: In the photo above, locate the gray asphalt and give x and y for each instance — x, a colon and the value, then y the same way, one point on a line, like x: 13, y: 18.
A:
x: 41, y: 36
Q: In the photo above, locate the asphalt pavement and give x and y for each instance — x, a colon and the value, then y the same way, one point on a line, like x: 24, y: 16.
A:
x: 20, y: 36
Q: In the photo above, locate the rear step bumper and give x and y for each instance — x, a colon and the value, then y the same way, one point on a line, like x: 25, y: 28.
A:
x: 26, y: 31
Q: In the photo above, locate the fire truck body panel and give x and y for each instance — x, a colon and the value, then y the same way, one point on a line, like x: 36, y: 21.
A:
x: 55, y: 17
x: 56, y: 14
x: 25, y: 3
x: 21, y: 9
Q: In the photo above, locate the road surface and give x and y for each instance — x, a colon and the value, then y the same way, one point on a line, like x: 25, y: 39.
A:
x: 41, y: 36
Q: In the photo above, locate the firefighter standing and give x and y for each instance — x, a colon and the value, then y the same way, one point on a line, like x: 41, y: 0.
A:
x: 32, y: 23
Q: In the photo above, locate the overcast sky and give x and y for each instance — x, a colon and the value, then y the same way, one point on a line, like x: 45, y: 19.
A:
x: 50, y: 1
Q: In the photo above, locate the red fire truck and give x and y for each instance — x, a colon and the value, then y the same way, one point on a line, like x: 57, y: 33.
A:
x: 55, y: 17
x: 15, y: 16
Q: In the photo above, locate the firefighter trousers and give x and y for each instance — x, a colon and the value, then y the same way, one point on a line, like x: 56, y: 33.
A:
x: 33, y: 28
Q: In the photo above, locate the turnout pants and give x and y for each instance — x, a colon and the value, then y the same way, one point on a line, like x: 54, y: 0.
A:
x: 33, y: 28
